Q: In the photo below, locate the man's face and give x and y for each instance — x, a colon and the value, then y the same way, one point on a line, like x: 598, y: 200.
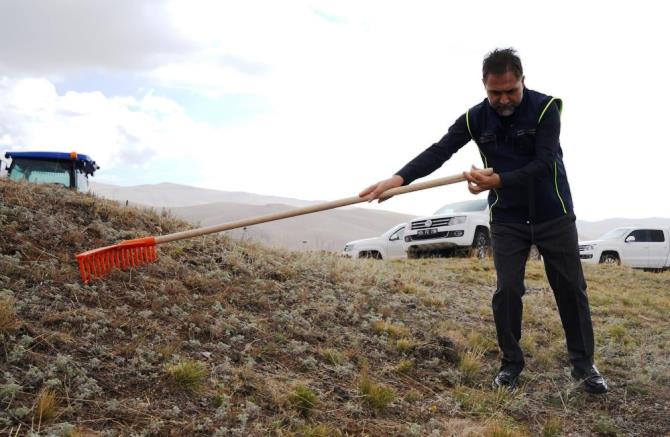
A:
x: 504, y: 92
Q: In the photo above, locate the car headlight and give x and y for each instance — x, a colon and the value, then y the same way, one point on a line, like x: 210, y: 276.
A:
x: 348, y: 247
x: 587, y: 247
x: 457, y: 220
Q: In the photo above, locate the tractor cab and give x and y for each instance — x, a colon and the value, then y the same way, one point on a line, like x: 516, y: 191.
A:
x: 68, y: 169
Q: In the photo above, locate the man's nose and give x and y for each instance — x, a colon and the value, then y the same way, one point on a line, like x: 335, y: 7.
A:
x: 504, y: 99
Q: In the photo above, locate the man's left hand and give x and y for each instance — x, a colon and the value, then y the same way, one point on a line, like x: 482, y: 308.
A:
x: 478, y: 181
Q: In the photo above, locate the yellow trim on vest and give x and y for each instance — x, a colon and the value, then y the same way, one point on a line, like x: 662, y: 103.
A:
x: 565, y: 211
x: 486, y: 164
x: 553, y: 99
x: 467, y: 123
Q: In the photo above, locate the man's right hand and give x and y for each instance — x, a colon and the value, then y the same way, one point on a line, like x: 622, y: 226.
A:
x: 375, y: 191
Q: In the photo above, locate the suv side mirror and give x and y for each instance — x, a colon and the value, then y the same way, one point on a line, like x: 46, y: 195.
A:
x: 630, y: 239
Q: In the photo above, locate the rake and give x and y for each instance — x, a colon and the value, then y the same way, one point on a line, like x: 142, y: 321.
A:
x: 97, y: 263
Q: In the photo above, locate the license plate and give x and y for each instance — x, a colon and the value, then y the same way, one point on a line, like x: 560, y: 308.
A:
x: 426, y: 231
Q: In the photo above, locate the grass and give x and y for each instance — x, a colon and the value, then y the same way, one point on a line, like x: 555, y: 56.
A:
x: 46, y: 407
x: 9, y: 322
x: 229, y: 326
x: 376, y: 396
x: 471, y: 364
x: 394, y: 331
x: 303, y: 399
x: 188, y: 375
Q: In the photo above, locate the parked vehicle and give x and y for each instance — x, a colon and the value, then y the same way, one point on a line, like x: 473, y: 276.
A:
x: 71, y: 170
x: 647, y: 248
x: 389, y: 245
x: 457, y: 227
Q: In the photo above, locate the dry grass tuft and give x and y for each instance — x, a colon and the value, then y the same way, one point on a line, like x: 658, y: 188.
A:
x: 8, y: 320
x: 395, y: 331
x: 471, y: 364
x: 332, y: 356
x: 46, y: 407
x: 552, y: 427
x: 188, y: 375
x: 375, y: 395
x: 303, y: 399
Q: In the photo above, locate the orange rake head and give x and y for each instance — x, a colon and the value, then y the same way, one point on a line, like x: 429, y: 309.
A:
x: 97, y: 263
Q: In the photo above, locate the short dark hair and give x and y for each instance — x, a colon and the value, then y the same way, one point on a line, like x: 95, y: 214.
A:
x: 500, y: 61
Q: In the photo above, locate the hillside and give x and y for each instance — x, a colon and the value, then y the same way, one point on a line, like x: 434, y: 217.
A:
x: 225, y: 337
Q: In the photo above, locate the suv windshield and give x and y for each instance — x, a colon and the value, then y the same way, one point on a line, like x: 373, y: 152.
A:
x: 614, y: 234
x: 41, y: 171
x: 467, y: 206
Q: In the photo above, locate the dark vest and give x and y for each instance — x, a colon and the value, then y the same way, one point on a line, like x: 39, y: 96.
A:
x: 507, y: 145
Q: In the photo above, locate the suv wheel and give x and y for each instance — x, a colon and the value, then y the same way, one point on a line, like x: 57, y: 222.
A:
x: 610, y: 258
x: 481, y: 244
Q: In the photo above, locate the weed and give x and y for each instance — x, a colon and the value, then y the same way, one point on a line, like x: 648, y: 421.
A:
x: 606, y: 426
x: 376, y: 396
x: 46, y: 406
x: 552, y: 427
x: 303, y: 399
x: 404, y: 345
x: 188, y: 375
x: 404, y: 366
x: 8, y: 320
x: 471, y: 364
x: 395, y: 331
x: 412, y: 395
x: 332, y: 356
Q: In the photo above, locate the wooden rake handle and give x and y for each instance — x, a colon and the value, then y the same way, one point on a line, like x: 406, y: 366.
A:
x: 310, y: 209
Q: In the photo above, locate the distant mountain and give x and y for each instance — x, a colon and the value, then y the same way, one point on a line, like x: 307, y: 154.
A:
x: 171, y: 195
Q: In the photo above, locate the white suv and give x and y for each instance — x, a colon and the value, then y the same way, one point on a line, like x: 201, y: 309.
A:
x: 389, y: 245
x: 456, y: 227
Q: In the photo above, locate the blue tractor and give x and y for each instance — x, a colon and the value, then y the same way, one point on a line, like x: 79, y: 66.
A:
x: 71, y: 170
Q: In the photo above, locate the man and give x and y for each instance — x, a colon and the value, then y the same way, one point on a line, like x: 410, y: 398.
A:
x: 517, y: 132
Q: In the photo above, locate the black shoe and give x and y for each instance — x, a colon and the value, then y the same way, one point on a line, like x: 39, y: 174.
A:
x: 506, y: 379
x: 592, y: 379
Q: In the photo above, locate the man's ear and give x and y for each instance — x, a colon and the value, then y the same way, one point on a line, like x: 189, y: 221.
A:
x: 523, y: 78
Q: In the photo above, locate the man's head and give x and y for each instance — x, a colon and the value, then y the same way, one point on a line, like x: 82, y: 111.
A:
x: 502, y: 75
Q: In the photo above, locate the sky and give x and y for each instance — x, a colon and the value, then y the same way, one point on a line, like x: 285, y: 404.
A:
x: 316, y: 100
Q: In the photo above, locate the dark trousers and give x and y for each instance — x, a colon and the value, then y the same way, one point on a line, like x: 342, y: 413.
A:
x: 558, y: 244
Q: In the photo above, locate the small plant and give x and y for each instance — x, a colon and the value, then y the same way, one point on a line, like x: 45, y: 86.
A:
x: 412, y: 396
x: 551, y: 428
x: 46, y: 406
x: 303, y: 399
x: 332, y: 356
x: 8, y: 320
x: 188, y: 375
x: 396, y: 331
x: 318, y: 431
x: 404, y: 345
x: 471, y: 364
x: 376, y: 396
x: 404, y: 366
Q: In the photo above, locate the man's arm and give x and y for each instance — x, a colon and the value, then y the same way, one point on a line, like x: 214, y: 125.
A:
x: 546, y: 148
x: 433, y: 157
x: 425, y: 163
